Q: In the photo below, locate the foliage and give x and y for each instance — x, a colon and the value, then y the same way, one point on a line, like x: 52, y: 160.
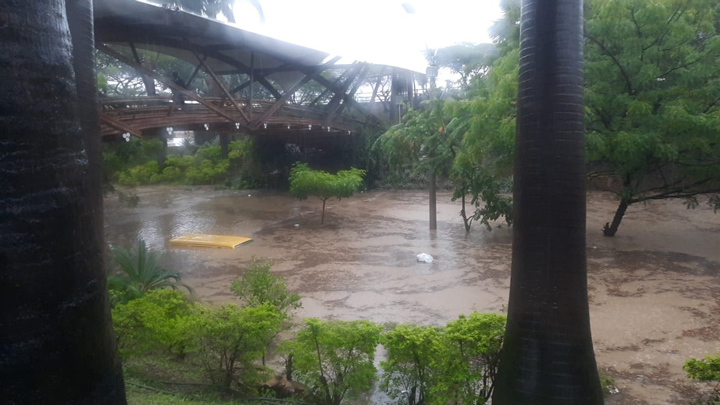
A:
x: 469, y: 358
x: 456, y: 364
x: 652, y: 93
x: 140, y: 273
x: 467, y: 60
x: 258, y: 287
x: 408, y: 373
x: 305, y: 182
x: 159, y: 319
x: 140, y: 167
x: 707, y: 369
x: 231, y: 339
x: 447, y: 137
x: 335, y: 358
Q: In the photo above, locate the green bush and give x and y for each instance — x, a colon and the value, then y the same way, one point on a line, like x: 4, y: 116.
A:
x: 469, y: 358
x: 257, y: 287
x: 139, y: 273
x: 139, y: 175
x: 230, y: 340
x: 335, y: 358
x: 707, y: 369
x: 455, y: 364
x: 408, y: 373
x: 180, y: 162
x: 158, y: 320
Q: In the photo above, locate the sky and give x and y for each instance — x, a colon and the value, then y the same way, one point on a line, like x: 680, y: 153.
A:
x: 376, y: 31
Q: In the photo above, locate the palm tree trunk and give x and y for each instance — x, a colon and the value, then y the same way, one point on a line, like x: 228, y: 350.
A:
x: 433, y: 204
x: 548, y: 355
x: 56, y: 344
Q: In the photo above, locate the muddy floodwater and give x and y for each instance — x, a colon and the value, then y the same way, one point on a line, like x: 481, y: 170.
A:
x: 654, y: 288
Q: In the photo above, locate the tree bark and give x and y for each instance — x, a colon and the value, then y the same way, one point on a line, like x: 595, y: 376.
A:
x: 433, y: 205
x: 57, y: 344
x: 610, y: 229
x: 547, y: 356
x: 322, y: 218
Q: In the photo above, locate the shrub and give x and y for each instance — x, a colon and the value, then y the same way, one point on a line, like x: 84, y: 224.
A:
x: 468, y: 363
x: 408, y: 374
x: 139, y: 175
x: 140, y: 273
x: 707, y: 369
x: 456, y: 364
x: 257, y: 287
x: 159, y: 319
x: 335, y: 359
x: 180, y: 162
x: 231, y: 339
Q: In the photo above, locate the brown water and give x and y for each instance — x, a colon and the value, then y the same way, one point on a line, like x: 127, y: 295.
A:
x: 654, y: 288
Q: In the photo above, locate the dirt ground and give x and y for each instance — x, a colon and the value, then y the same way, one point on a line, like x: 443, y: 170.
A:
x: 654, y: 288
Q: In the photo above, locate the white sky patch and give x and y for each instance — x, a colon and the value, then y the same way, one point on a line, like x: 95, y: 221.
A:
x: 377, y: 31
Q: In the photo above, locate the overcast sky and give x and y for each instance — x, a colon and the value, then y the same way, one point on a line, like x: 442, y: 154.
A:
x: 378, y: 31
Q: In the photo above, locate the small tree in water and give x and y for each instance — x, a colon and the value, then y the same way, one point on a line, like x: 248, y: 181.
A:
x: 305, y: 182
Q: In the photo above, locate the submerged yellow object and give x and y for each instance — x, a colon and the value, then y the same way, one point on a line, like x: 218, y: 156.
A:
x: 202, y: 240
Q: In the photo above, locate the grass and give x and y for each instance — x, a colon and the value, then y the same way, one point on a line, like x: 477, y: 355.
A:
x: 157, y: 380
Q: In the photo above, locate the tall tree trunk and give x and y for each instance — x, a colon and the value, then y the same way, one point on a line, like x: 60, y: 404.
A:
x: 548, y: 356
x: 322, y: 218
x: 56, y: 344
x: 611, y: 229
x: 433, y: 205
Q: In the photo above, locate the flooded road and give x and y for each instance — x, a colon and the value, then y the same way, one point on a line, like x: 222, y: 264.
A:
x: 654, y: 288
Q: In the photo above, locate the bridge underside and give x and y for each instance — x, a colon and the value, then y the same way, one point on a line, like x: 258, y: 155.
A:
x: 270, y: 73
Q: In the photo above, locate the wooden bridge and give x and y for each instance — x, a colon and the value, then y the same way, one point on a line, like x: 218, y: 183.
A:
x: 220, y: 50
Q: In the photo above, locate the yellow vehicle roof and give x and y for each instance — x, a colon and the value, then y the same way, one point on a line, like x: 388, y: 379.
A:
x: 203, y: 240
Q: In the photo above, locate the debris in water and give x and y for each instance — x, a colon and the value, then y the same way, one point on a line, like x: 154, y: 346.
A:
x: 424, y: 257
x: 297, y: 225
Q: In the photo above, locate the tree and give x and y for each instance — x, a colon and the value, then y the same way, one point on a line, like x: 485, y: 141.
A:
x: 424, y: 142
x: 468, y: 361
x: 441, y: 138
x: 548, y: 356
x: 57, y: 341
x: 258, y: 287
x: 142, y: 273
x: 408, y: 372
x: 653, y: 101
x: 467, y: 60
x: 230, y: 340
x: 335, y: 358
x: 306, y: 182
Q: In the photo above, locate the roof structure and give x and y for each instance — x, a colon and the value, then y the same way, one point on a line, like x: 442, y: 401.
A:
x: 220, y: 49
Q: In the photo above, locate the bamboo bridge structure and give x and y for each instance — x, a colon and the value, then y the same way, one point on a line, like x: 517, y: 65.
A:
x: 280, y: 69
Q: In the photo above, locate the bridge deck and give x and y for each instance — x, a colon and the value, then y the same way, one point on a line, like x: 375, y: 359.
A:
x: 140, y: 113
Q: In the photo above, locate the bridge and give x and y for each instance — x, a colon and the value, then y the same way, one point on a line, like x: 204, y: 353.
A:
x: 271, y: 73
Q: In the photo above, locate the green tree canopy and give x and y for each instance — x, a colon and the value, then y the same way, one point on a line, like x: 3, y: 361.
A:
x: 652, y: 94
x: 335, y: 358
x: 305, y: 182
x: 653, y: 100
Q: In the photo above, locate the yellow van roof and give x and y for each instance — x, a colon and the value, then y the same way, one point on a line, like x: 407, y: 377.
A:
x: 204, y: 240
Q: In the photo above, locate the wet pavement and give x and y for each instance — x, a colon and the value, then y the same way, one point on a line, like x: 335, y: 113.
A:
x: 654, y: 288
